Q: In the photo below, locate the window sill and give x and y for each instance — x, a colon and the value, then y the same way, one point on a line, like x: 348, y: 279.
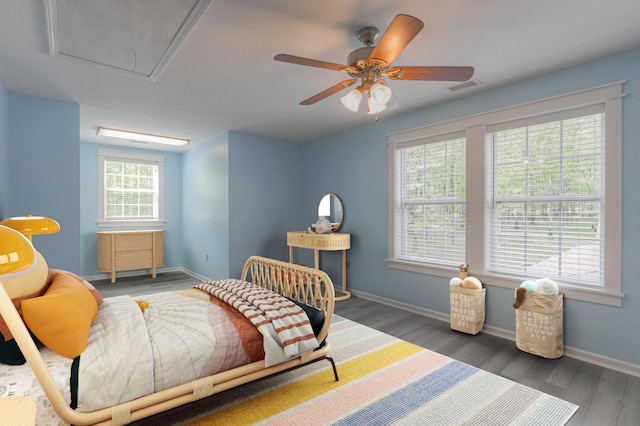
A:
x: 131, y: 224
x: 583, y: 294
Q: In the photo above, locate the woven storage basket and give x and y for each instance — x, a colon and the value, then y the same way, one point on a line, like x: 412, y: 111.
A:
x: 539, y: 325
x: 467, y: 309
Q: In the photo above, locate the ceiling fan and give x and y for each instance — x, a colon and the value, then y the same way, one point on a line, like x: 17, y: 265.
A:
x: 370, y: 64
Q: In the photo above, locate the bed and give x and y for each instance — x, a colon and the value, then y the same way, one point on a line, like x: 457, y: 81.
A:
x: 109, y: 382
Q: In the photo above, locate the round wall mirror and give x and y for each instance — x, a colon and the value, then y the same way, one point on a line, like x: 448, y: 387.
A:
x: 330, y: 207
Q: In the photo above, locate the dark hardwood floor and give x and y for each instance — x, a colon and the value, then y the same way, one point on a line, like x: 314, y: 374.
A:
x: 144, y: 284
x: 606, y: 397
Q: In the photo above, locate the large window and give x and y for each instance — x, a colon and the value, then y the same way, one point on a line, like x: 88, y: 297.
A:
x: 520, y: 193
x: 431, y: 201
x: 546, y: 190
x: 130, y: 188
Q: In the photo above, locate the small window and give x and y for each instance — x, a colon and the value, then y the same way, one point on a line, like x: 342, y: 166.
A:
x: 130, y: 189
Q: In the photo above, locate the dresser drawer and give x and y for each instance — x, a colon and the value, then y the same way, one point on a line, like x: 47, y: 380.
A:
x: 134, y: 259
x: 132, y: 242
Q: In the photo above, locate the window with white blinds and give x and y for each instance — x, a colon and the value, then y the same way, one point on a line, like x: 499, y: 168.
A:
x: 130, y: 188
x: 524, y: 192
x: 431, y: 201
x: 546, y: 192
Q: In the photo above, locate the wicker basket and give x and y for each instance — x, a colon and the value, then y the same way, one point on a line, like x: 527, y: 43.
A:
x: 467, y: 309
x: 539, y: 325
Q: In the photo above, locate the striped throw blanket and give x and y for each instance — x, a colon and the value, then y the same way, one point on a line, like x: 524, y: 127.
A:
x: 278, y: 319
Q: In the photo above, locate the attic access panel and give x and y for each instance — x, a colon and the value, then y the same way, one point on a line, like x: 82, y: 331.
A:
x: 136, y: 37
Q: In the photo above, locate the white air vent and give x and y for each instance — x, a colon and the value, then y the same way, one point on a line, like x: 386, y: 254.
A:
x: 464, y: 85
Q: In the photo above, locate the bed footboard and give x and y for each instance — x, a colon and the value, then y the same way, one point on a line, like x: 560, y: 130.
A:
x: 306, y: 285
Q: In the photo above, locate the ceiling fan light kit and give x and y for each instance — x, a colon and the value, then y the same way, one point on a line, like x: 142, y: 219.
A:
x: 375, y: 109
x: 379, y: 94
x: 351, y: 100
x: 370, y: 64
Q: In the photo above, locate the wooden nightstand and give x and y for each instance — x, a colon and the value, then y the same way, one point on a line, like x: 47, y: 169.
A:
x: 17, y: 411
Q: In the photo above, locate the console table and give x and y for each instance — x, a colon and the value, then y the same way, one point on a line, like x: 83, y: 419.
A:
x: 126, y: 250
x: 322, y: 242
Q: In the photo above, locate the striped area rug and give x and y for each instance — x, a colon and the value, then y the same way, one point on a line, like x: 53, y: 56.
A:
x: 384, y: 381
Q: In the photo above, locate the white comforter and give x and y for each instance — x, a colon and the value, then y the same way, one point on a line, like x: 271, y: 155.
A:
x: 177, y: 339
x: 118, y: 352
x: 119, y: 363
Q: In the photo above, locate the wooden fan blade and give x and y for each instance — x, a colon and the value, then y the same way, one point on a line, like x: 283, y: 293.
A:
x: 282, y: 57
x: 401, y: 31
x: 328, y: 92
x: 431, y: 73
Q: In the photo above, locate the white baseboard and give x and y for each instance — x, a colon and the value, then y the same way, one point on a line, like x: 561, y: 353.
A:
x: 582, y: 355
x: 138, y: 273
x: 193, y: 274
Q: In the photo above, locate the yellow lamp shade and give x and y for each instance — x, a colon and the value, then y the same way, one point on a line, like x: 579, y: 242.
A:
x: 17, y: 255
x: 30, y: 225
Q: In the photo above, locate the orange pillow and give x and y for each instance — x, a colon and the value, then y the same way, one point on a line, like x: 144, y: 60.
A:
x: 94, y: 291
x: 62, y: 317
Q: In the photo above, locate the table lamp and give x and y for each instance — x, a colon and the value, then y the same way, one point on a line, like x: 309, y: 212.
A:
x: 18, y: 262
x: 30, y: 225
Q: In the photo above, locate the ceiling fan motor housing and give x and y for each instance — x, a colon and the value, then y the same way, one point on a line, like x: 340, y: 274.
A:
x: 368, y: 35
x: 361, y: 54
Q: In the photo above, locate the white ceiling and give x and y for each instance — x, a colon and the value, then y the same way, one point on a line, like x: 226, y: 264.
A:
x: 222, y: 75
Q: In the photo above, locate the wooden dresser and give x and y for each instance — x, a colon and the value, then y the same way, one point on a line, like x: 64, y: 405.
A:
x: 127, y: 250
x: 318, y: 242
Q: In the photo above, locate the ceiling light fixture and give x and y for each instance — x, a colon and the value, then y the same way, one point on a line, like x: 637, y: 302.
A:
x: 351, y: 100
x: 379, y: 96
x: 141, y: 137
x: 374, y: 108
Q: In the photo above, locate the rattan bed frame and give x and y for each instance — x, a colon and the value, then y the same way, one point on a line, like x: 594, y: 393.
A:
x: 306, y: 285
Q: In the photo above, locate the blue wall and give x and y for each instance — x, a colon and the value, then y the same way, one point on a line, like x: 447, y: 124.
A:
x: 44, y: 174
x: 241, y: 195
x: 264, y: 197
x: 360, y: 176
x: 205, y: 191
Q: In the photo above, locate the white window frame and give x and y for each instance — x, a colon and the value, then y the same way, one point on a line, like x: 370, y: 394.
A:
x: 430, y: 200
x: 129, y: 156
x: 475, y: 129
